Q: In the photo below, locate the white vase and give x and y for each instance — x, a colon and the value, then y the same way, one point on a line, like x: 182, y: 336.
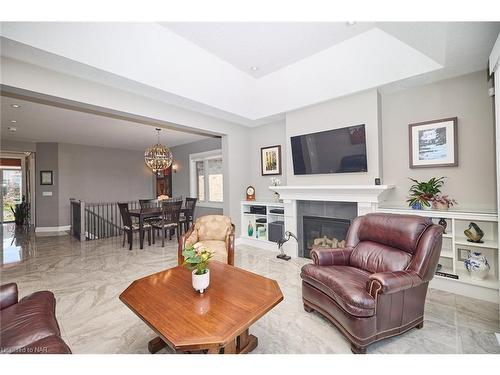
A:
x: 201, y: 282
x: 477, y: 265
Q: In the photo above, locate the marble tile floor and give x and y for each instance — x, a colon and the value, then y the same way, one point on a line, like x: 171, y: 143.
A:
x: 87, y: 278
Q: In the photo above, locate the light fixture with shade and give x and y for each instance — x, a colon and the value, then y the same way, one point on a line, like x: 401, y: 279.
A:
x: 158, y: 156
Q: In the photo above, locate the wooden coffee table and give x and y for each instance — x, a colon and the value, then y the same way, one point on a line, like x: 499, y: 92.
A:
x: 216, y: 321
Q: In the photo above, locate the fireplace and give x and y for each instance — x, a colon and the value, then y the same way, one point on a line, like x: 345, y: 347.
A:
x: 325, y: 222
x: 323, y: 232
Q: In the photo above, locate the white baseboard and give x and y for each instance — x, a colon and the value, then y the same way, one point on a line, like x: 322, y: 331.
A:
x: 53, y: 229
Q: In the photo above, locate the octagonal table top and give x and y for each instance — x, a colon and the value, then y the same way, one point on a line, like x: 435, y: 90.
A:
x: 186, y: 319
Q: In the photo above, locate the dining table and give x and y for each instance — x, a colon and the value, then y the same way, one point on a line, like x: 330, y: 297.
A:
x: 146, y: 213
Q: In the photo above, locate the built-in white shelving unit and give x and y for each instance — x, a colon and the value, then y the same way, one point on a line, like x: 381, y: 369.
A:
x: 253, y: 232
x: 456, y: 246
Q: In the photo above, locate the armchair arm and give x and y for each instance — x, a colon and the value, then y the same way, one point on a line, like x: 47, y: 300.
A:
x: 331, y: 257
x: 392, y: 282
x: 230, y: 246
x: 8, y: 295
x: 187, y: 239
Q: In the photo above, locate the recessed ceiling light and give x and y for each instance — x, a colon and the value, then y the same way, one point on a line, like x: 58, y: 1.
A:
x: 13, y: 121
x: 15, y: 106
x: 350, y: 23
x: 254, y: 68
x: 12, y: 129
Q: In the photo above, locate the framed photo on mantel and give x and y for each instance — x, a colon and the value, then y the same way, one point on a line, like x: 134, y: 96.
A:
x: 270, y: 160
x: 434, y: 143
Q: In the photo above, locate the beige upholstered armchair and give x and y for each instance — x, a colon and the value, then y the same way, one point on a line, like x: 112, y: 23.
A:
x: 216, y: 232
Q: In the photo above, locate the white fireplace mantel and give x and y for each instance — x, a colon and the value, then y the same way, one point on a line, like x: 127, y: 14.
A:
x: 367, y: 198
x: 338, y: 193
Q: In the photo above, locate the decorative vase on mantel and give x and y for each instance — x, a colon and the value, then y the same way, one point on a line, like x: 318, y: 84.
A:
x: 440, y: 206
x: 201, y: 282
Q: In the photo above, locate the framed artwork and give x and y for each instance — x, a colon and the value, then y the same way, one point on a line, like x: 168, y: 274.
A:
x: 270, y: 160
x: 434, y: 143
x: 46, y: 178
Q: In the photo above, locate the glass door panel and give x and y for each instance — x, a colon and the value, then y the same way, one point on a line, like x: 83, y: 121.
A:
x: 11, y: 192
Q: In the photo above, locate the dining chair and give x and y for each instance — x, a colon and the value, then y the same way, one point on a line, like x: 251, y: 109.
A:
x: 130, y: 227
x: 148, y: 203
x: 171, y: 212
x: 188, y: 213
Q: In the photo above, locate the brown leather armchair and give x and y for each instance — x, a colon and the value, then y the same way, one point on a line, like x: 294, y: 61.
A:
x: 29, y: 326
x: 375, y: 287
x: 216, y: 232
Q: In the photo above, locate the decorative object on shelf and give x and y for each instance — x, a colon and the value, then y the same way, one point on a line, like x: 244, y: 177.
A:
x: 270, y: 160
x: 378, y: 181
x: 162, y: 197
x: 444, y: 224
x: 477, y: 265
x: 250, y: 229
x: 261, y: 231
x: 286, y: 237
x: 474, y: 233
x: 442, y: 202
x: 46, y: 178
x: 275, y: 181
x: 422, y: 192
x: 446, y: 274
x: 434, y: 143
x: 196, y: 259
x: 439, y: 266
x: 250, y: 193
x: 158, y: 157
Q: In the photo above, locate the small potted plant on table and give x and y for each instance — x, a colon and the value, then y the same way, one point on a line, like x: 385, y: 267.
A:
x: 196, y: 259
x: 442, y: 202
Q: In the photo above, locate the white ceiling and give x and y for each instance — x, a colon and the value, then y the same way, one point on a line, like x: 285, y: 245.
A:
x: 205, y: 67
x: 46, y: 123
x: 269, y: 46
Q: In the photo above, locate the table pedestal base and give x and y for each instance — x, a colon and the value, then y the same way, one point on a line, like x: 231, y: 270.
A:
x: 242, y: 344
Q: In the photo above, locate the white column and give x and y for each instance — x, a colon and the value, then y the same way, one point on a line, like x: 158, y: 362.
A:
x: 290, y: 206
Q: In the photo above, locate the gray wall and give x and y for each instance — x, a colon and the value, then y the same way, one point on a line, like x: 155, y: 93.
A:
x: 8, y: 145
x: 180, y: 180
x: 47, y: 207
x: 473, y: 182
x: 98, y: 174
x: 264, y: 136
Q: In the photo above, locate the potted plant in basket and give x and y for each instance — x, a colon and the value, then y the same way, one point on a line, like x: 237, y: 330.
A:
x: 442, y: 202
x: 196, y: 259
x: 422, y: 192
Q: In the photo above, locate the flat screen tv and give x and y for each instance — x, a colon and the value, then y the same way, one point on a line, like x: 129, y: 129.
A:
x: 340, y: 150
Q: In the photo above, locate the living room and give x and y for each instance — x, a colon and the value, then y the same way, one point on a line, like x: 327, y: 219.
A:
x: 348, y: 190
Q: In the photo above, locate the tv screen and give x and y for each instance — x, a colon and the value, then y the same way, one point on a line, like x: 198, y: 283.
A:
x: 333, y: 151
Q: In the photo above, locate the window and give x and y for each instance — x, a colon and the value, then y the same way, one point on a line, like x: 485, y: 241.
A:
x: 207, y: 178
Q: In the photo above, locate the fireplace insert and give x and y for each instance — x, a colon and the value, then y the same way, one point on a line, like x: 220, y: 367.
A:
x: 323, y: 232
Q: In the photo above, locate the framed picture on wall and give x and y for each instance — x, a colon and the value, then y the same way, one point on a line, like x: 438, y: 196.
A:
x: 46, y: 178
x: 434, y: 143
x: 270, y: 160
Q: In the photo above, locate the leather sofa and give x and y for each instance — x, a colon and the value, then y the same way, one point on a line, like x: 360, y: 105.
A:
x: 29, y: 326
x: 215, y: 232
x: 376, y: 286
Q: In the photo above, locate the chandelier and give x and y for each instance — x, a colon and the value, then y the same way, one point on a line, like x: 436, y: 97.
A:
x: 158, y: 157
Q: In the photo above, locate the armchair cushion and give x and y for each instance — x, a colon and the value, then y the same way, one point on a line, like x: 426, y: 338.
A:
x: 219, y: 247
x: 376, y: 257
x: 345, y: 285
x: 212, y: 227
x: 331, y: 257
x: 391, y: 282
x: 8, y: 295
